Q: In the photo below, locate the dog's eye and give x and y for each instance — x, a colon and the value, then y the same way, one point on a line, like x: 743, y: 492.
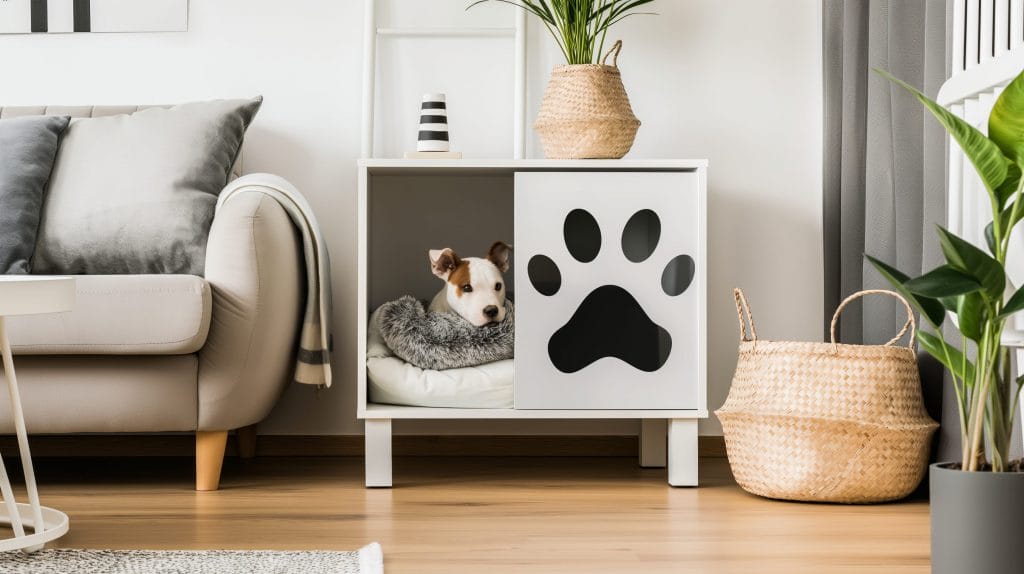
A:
x: 497, y: 286
x: 467, y: 288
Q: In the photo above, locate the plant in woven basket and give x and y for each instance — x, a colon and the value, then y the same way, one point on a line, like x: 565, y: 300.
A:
x: 585, y: 113
x: 972, y: 284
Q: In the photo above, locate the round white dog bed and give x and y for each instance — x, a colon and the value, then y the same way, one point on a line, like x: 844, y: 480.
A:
x: 391, y: 380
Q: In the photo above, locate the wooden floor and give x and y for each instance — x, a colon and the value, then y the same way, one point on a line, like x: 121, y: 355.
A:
x: 483, y: 515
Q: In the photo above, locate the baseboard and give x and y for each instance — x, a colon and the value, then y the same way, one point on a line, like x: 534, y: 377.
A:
x: 347, y: 445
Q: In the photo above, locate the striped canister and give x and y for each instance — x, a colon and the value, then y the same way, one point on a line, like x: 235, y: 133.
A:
x: 433, y: 124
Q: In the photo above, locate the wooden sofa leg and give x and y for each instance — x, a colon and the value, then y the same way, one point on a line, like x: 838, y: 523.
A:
x: 209, y: 458
x: 246, y: 441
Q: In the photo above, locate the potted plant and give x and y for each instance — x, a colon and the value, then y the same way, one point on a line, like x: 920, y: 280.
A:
x: 585, y: 113
x: 977, y: 502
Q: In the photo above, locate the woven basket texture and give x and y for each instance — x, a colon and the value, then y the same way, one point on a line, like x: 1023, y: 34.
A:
x: 585, y: 113
x: 826, y: 422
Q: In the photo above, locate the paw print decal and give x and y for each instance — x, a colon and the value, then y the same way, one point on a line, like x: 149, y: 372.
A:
x: 610, y: 322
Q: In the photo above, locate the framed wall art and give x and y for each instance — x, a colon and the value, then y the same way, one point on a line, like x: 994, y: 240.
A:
x: 66, y: 16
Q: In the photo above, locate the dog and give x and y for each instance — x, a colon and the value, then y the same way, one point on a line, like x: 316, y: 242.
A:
x: 474, y: 287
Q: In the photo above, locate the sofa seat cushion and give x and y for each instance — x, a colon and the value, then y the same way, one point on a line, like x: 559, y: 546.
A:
x: 121, y: 315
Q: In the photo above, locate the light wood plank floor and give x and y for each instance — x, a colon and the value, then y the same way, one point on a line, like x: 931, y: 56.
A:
x: 483, y: 515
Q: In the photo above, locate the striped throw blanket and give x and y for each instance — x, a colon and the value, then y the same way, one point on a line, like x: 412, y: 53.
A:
x: 313, y: 366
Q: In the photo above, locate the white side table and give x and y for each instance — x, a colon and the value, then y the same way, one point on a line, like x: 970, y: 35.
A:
x: 28, y: 295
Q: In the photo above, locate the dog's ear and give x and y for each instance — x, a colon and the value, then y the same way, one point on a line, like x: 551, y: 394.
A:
x: 443, y: 262
x: 498, y: 255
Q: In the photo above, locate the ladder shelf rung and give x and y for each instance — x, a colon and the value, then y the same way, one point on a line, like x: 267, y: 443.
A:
x: 448, y: 32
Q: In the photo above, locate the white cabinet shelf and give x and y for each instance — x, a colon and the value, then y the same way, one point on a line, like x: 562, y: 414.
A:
x: 384, y: 166
x: 668, y: 367
x: 376, y: 411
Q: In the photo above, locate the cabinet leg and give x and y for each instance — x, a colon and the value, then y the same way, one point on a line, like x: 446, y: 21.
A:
x: 682, y: 452
x: 653, y: 443
x: 378, y: 453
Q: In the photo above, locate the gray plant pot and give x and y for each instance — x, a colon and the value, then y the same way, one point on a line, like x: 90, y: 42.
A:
x: 977, y: 521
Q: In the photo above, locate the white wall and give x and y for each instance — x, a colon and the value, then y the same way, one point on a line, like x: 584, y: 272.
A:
x: 738, y: 82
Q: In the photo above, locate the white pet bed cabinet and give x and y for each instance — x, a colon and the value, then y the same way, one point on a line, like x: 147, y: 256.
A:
x: 628, y: 239
x: 408, y: 206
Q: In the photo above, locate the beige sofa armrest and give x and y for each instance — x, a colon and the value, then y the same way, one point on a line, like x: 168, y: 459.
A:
x: 255, y: 270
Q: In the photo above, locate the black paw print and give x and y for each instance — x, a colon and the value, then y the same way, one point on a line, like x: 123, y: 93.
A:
x: 610, y: 322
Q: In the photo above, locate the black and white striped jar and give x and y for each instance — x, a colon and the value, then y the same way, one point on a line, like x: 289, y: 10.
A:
x: 433, y: 134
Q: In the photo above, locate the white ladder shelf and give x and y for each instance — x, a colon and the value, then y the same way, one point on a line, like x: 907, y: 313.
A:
x: 373, y: 32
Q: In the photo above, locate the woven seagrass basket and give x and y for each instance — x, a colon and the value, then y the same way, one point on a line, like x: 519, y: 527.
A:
x: 826, y: 422
x: 585, y: 113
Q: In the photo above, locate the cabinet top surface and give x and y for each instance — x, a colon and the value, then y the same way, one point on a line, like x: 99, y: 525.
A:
x: 537, y: 164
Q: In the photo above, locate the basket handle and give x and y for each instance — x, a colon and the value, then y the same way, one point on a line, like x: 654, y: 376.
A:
x: 910, y: 325
x: 616, y: 48
x: 745, y: 316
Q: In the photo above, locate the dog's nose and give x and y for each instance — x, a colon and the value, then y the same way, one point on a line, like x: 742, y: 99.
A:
x: 491, y: 311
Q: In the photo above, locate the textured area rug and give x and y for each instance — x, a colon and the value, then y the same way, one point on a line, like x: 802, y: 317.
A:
x: 367, y: 560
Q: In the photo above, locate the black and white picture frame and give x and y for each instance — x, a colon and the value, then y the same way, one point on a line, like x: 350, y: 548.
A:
x: 66, y: 16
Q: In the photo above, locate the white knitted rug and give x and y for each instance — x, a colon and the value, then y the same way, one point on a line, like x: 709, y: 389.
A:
x: 367, y: 560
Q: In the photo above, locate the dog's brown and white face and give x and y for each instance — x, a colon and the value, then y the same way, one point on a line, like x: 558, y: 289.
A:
x: 474, y: 286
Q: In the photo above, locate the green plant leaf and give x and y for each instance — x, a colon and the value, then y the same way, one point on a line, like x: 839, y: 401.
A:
x: 950, y: 303
x: 1006, y: 225
x: 1006, y: 189
x: 944, y: 281
x: 1014, y: 304
x: 987, y: 158
x: 929, y: 308
x: 1007, y: 219
x: 965, y: 257
x: 538, y: 9
x: 579, y: 27
x: 970, y: 315
x: 990, y: 238
x: 1006, y: 122
x: 957, y: 364
x: 616, y: 8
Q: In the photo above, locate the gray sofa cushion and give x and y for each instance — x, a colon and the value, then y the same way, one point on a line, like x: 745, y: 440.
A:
x: 135, y: 193
x: 27, y: 150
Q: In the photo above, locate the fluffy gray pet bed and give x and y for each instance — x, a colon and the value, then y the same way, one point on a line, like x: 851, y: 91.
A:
x: 440, y: 341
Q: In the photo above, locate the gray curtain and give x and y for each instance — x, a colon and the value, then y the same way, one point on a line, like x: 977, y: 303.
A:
x: 884, y: 159
x: 885, y: 163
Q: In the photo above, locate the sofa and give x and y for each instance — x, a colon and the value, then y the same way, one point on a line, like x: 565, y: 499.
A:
x: 170, y: 353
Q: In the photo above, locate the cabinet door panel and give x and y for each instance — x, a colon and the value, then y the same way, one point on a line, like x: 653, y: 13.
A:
x: 610, y: 277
